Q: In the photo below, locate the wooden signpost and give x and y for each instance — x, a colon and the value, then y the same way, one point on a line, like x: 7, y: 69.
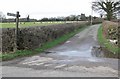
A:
x: 16, y: 30
x: 11, y: 14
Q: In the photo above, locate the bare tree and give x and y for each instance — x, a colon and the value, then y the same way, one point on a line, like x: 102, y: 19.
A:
x: 2, y: 16
x: 110, y: 7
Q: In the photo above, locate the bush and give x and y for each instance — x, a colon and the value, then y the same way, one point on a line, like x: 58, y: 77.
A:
x: 110, y: 30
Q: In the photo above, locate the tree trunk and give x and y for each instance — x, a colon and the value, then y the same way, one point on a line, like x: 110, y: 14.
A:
x: 109, y: 16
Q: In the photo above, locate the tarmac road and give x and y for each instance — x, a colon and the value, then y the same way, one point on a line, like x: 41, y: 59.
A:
x: 74, y: 58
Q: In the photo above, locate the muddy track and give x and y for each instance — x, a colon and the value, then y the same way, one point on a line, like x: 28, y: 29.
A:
x: 75, y: 58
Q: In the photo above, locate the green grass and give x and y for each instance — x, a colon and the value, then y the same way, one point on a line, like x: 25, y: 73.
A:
x: 19, y: 53
x: 22, y: 53
x: 27, y: 24
x: 104, y: 42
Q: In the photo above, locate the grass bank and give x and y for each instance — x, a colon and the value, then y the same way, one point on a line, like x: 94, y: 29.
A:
x: 104, y: 42
x: 22, y: 53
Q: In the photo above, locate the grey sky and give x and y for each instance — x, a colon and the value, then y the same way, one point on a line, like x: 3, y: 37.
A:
x: 46, y: 8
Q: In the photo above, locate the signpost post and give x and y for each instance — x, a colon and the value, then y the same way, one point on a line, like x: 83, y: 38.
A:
x: 16, y: 30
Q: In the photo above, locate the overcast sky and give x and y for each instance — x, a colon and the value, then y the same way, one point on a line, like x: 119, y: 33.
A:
x: 46, y: 8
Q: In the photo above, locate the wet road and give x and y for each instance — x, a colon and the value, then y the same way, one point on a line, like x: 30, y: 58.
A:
x: 75, y: 58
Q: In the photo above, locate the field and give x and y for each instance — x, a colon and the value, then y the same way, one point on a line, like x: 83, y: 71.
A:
x: 27, y: 24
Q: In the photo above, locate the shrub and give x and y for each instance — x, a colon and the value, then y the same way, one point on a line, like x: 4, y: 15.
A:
x: 110, y: 30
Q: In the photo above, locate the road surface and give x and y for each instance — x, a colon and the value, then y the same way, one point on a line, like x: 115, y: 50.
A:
x: 74, y: 58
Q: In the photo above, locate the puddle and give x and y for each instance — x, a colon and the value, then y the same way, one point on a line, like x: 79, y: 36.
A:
x: 102, y: 52
x: 76, y: 53
x: 95, y: 51
x: 83, y: 52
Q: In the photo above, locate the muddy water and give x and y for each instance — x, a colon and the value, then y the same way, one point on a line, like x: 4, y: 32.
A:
x: 76, y: 53
x: 102, y: 52
x: 91, y: 52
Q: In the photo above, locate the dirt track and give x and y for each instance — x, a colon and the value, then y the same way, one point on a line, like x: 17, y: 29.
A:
x: 74, y: 58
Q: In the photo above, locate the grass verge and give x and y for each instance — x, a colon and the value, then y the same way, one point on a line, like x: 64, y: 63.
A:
x: 104, y: 42
x: 22, y: 53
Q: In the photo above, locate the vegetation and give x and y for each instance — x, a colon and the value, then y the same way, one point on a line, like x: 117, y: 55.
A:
x: 110, y: 7
x: 104, y: 42
x: 21, y: 53
x: 110, y: 30
x: 27, y: 24
x: 81, y: 17
x: 2, y: 16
